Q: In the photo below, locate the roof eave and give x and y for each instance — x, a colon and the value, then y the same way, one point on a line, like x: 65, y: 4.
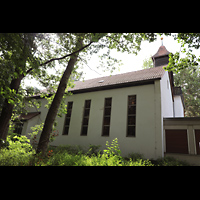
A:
x: 115, y: 86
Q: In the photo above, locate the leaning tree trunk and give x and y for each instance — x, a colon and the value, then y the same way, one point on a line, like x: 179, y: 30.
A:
x: 7, y: 110
x: 52, y: 112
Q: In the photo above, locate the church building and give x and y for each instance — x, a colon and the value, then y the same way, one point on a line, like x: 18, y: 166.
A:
x: 138, y: 108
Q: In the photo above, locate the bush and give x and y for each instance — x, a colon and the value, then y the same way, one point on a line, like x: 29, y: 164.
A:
x: 111, y: 156
x: 68, y: 155
x: 136, y: 156
x: 170, y: 161
x: 18, y: 151
x: 63, y: 159
x: 139, y: 162
x: 93, y: 150
x: 71, y: 149
x: 73, y: 156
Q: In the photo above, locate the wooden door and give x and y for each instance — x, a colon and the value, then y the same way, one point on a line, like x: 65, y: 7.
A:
x: 176, y: 141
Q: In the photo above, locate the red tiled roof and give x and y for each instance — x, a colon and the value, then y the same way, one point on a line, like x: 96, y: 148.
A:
x: 130, y: 77
x: 118, y: 80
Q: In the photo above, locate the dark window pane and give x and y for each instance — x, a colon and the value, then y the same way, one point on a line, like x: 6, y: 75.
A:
x: 84, y: 130
x: 67, y: 121
x: 85, y: 121
x: 66, y: 130
x: 106, y: 130
x: 132, y: 100
x: 131, y: 120
x: 87, y: 103
x: 86, y: 117
x: 108, y: 102
x: 68, y: 117
x: 106, y: 121
x: 18, y: 128
x: 131, y: 131
x: 69, y: 111
x: 86, y: 112
x: 131, y: 110
x: 69, y: 106
x: 107, y: 111
x: 106, y: 118
x: 131, y: 115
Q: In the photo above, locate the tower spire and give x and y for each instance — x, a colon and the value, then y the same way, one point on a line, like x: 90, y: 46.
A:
x: 161, y: 41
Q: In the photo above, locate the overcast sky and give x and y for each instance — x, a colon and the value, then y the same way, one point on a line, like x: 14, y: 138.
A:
x: 130, y: 62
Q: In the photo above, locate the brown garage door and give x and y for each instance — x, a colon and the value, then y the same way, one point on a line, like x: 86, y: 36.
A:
x: 176, y: 141
x: 197, y: 138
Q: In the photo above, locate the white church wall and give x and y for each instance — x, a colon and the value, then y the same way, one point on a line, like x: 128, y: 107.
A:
x: 178, y: 106
x: 159, y: 140
x: 146, y: 124
x: 144, y: 139
x: 166, y: 96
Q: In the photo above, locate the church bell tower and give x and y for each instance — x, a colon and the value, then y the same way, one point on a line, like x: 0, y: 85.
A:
x: 161, y: 58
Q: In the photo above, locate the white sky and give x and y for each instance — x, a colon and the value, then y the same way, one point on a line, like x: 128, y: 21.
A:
x: 130, y: 62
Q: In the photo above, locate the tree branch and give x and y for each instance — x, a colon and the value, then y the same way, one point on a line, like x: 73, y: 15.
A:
x: 66, y: 55
x: 88, y: 65
x: 113, y: 39
x: 51, y: 60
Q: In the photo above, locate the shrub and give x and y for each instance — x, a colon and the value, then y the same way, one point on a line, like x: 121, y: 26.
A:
x: 139, y: 162
x: 170, y: 161
x: 63, y: 159
x: 71, y: 149
x: 93, y: 150
x: 18, y: 151
x: 113, y: 149
x: 99, y: 160
x: 136, y: 156
x: 68, y: 155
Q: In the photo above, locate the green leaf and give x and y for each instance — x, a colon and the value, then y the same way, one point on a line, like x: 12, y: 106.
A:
x: 15, y: 74
x: 10, y: 101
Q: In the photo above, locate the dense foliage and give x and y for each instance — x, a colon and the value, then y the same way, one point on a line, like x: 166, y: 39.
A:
x: 188, y: 79
x: 18, y: 151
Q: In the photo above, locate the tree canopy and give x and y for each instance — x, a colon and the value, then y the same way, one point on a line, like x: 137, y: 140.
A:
x: 189, y: 80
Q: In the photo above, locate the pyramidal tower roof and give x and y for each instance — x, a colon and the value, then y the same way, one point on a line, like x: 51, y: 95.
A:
x: 162, y: 51
x: 161, y: 58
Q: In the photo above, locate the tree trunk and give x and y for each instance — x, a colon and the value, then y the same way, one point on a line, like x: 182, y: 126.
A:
x: 7, y: 111
x: 52, y: 112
